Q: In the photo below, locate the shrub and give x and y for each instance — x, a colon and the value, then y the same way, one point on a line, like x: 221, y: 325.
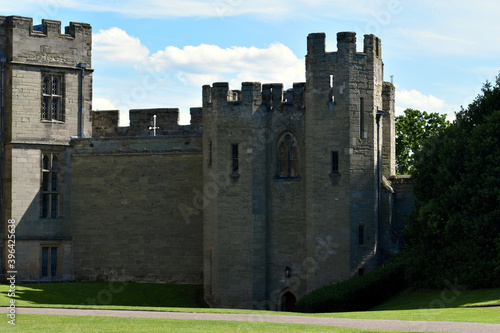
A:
x: 357, y: 293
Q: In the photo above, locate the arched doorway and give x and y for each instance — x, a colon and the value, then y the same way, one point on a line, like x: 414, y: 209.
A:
x: 288, y: 301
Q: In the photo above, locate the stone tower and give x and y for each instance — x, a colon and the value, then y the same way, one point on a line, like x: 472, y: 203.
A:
x: 234, y: 162
x: 294, y: 180
x: 46, y: 99
x: 347, y: 106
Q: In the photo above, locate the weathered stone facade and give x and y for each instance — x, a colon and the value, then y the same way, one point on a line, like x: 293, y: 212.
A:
x: 31, y: 56
x: 265, y: 196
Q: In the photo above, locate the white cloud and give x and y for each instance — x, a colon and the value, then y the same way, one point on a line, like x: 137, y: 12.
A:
x: 116, y: 46
x: 414, y: 99
x: 102, y: 104
x: 173, y: 77
x: 204, y: 64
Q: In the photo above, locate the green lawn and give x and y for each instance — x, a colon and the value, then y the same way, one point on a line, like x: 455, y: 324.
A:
x: 481, y: 306
x: 473, y: 315
x: 423, y: 299
x: 102, y: 294
x: 432, y: 305
x: 49, y: 323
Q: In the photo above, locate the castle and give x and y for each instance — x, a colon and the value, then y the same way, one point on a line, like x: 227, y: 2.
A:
x: 265, y: 196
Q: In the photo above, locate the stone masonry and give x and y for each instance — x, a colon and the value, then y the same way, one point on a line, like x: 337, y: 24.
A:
x: 267, y: 195
x: 30, y: 53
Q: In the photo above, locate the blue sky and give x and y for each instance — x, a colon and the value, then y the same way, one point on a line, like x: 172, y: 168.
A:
x: 154, y: 53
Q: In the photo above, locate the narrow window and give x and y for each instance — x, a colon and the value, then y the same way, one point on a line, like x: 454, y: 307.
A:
x: 210, y: 154
x: 335, y: 162
x: 288, y: 157
x: 361, y: 235
x: 50, y: 186
x: 49, y: 261
x: 45, y: 261
x: 294, y: 160
x: 361, y: 118
x: 52, y: 97
x: 234, y: 151
x: 53, y: 261
x: 332, y: 98
x: 361, y: 271
x: 283, y: 162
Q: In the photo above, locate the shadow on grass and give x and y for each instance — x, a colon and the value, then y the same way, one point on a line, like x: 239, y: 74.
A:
x: 445, y: 298
x: 108, y: 293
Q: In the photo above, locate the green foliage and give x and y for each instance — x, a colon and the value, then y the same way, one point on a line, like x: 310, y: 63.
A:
x: 454, y: 232
x: 412, y: 129
x: 357, y: 293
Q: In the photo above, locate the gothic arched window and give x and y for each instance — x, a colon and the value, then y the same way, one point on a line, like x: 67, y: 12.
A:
x: 288, y: 159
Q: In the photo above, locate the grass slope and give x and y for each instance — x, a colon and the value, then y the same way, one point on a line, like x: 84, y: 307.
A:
x: 449, y: 304
x: 445, y: 298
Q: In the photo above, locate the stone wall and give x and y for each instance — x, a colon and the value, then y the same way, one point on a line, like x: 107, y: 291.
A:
x: 235, y: 213
x: 343, y: 97
x: 142, y: 123
x: 30, y: 53
x: 397, y: 203
x: 25, y: 123
x: 403, y: 199
x: 23, y: 204
x: 47, y: 44
x: 132, y: 209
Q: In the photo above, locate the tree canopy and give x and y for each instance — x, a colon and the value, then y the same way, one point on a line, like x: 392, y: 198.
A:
x: 412, y: 129
x: 454, y: 232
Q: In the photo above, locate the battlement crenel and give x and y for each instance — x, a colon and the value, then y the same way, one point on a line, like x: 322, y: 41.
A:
x: 48, y: 28
x: 146, y: 122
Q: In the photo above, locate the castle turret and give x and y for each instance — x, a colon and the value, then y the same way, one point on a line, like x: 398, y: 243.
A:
x: 47, y: 97
x: 301, y: 172
x: 343, y: 101
x: 234, y: 209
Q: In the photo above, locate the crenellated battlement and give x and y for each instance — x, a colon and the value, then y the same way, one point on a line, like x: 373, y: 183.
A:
x: 335, y: 78
x: 346, y: 46
x: 45, y: 43
x: 271, y: 95
x: 142, y: 123
x: 48, y: 28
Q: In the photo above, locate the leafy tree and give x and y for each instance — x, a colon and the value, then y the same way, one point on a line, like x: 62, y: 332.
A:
x: 454, y: 232
x: 412, y: 129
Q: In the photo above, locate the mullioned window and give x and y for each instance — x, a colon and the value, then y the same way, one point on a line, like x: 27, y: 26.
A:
x: 52, y: 97
x: 51, y: 195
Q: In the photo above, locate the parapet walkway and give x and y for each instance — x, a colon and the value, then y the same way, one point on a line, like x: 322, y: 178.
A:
x: 400, y: 325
